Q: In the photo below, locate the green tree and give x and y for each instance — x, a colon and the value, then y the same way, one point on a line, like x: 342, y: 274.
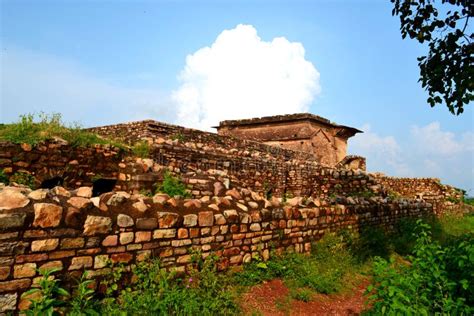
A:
x: 448, y: 69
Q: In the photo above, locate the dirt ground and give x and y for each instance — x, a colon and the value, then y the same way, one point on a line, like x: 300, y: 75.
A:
x: 272, y: 299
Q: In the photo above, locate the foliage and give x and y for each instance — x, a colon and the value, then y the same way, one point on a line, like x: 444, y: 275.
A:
x: 141, y: 149
x: 33, y: 129
x: 154, y: 291
x: 3, y: 177
x: 82, y: 301
x: 173, y: 186
x: 323, y: 271
x: 372, y: 241
x: 179, y: 137
x: 51, y: 295
x: 23, y: 178
x: 447, y: 71
x: 469, y: 201
x: 438, y: 280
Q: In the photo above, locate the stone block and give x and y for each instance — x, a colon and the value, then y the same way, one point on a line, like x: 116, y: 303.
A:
x: 72, y: 243
x: 142, y: 236
x: 126, y: 238
x: 124, y: 220
x: 78, y: 263
x: 13, y: 220
x: 167, y: 219
x: 8, y: 302
x: 10, y: 198
x: 14, y: 285
x: 206, y: 219
x: 44, y: 245
x: 97, y: 225
x: 164, y: 233
x: 110, y: 241
x: 26, y: 270
x: 190, y: 220
x: 47, y: 215
x: 147, y: 223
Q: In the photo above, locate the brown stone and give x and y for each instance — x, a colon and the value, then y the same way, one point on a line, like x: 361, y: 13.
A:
x: 79, y: 202
x: 167, y: 252
x: 124, y: 220
x: 147, y: 223
x: 109, y: 241
x: 39, y: 194
x: 234, y: 194
x: 72, y: 217
x: 206, y: 218
x: 219, y: 189
x: 47, y: 215
x: 80, y: 262
x: 57, y: 265
x: 31, y: 258
x: 219, y: 219
x: 4, y: 273
x: 142, y: 236
x: 194, y: 232
x: 61, y: 191
x: 231, y: 215
x: 140, y: 206
x: 11, y: 199
x: 44, y: 245
x: 190, y: 220
x: 97, y: 225
x: 184, y: 259
x: 15, y: 285
x: 167, y: 219
x: 121, y: 257
x: 8, y: 302
x: 61, y: 254
x: 85, y: 192
x: 101, y: 261
x: 71, y: 243
x: 182, y: 233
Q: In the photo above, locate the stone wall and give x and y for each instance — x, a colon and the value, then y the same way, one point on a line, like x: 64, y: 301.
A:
x: 444, y: 198
x: 73, y: 231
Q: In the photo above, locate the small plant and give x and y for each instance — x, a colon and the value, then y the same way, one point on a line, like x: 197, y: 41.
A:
x: 82, y: 301
x: 179, y: 137
x: 141, y: 149
x: 146, y: 192
x: 302, y: 294
x: 23, y: 178
x: 51, y: 295
x: 3, y: 177
x: 173, y: 186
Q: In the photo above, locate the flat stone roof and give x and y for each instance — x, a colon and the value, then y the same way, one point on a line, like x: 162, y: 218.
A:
x: 283, y: 119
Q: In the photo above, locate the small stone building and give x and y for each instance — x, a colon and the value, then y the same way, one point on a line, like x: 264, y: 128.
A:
x: 303, y: 132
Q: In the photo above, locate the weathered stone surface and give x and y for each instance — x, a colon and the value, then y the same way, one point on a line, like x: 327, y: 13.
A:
x: 160, y: 198
x: 110, y: 241
x: 140, y: 206
x: 126, y: 238
x: 167, y: 219
x: 47, y: 215
x: 206, y: 218
x: 255, y: 227
x: 72, y: 243
x: 26, y: 270
x: 79, y: 202
x: 164, y: 233
x: 11, y: 199
x: 85, y: 192
x: 15, y: 285
x: 72, y: 217
x: 60, y: 191
x: 231, y: 215
x: 183, y: 233
x: 8, y: 302
x: 118, y: 198
x: 97, y: 225
x: 121, y: 257
x: 4, y: 272
x: 219, y: 189
x: 142, y: 236
x: 57, y: 264
x: 39, y: 194
x: 234, y: 194
x: 44, y: 245
x: 242, y: 207
x: 147, y: 223
x: 124, y: 220
x: 13, y: 220
x: 80, y: 263
x: 190, y: 220
x: 219, y: 219
x: 213, y: 207
x: 101, y: 261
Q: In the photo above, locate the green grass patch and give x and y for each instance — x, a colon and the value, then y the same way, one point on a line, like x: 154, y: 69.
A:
x: 173, y: 186
x: 33, y: 129
x: 141, y: 149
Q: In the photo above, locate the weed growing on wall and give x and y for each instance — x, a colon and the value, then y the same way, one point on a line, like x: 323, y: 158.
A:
x: 3, y: 177
x: 33, y: 129
x: 141, y: 149
x: 173, y: 186
x: 23, y: 178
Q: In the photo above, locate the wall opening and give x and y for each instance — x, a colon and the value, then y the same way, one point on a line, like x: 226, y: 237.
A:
x: 101, y: 186
x: 52, y: 182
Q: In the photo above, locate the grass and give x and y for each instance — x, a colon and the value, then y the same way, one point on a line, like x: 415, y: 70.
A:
x: 33, y: 129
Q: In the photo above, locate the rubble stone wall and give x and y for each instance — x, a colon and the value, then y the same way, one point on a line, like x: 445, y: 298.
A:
x: 74, y: 232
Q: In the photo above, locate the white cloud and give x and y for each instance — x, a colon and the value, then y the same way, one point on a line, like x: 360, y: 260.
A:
x: 242, y: 76
x: 428, y: 151
x: 32, y: 82
x: 381, y: 151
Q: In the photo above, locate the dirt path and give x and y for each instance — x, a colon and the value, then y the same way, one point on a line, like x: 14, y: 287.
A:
x: 272, y: 299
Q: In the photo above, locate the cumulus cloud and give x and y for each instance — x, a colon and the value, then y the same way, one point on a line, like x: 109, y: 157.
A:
x: 242, y: 76
x: 427, y: 151
x: 381, y: 151
x: 32, y: 82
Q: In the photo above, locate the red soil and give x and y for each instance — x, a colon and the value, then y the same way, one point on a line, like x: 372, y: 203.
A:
x: 272, y: 299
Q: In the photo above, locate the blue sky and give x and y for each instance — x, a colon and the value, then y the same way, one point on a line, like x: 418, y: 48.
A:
x: 101, y: 62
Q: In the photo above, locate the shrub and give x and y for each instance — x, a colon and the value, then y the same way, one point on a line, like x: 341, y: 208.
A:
x: 3, y: 177
x: 32, y: 129
x: 51, y: 295
x: 372, y: 242
x: 23, y: 178
x: 438, y: 280
x: 173, y: 186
